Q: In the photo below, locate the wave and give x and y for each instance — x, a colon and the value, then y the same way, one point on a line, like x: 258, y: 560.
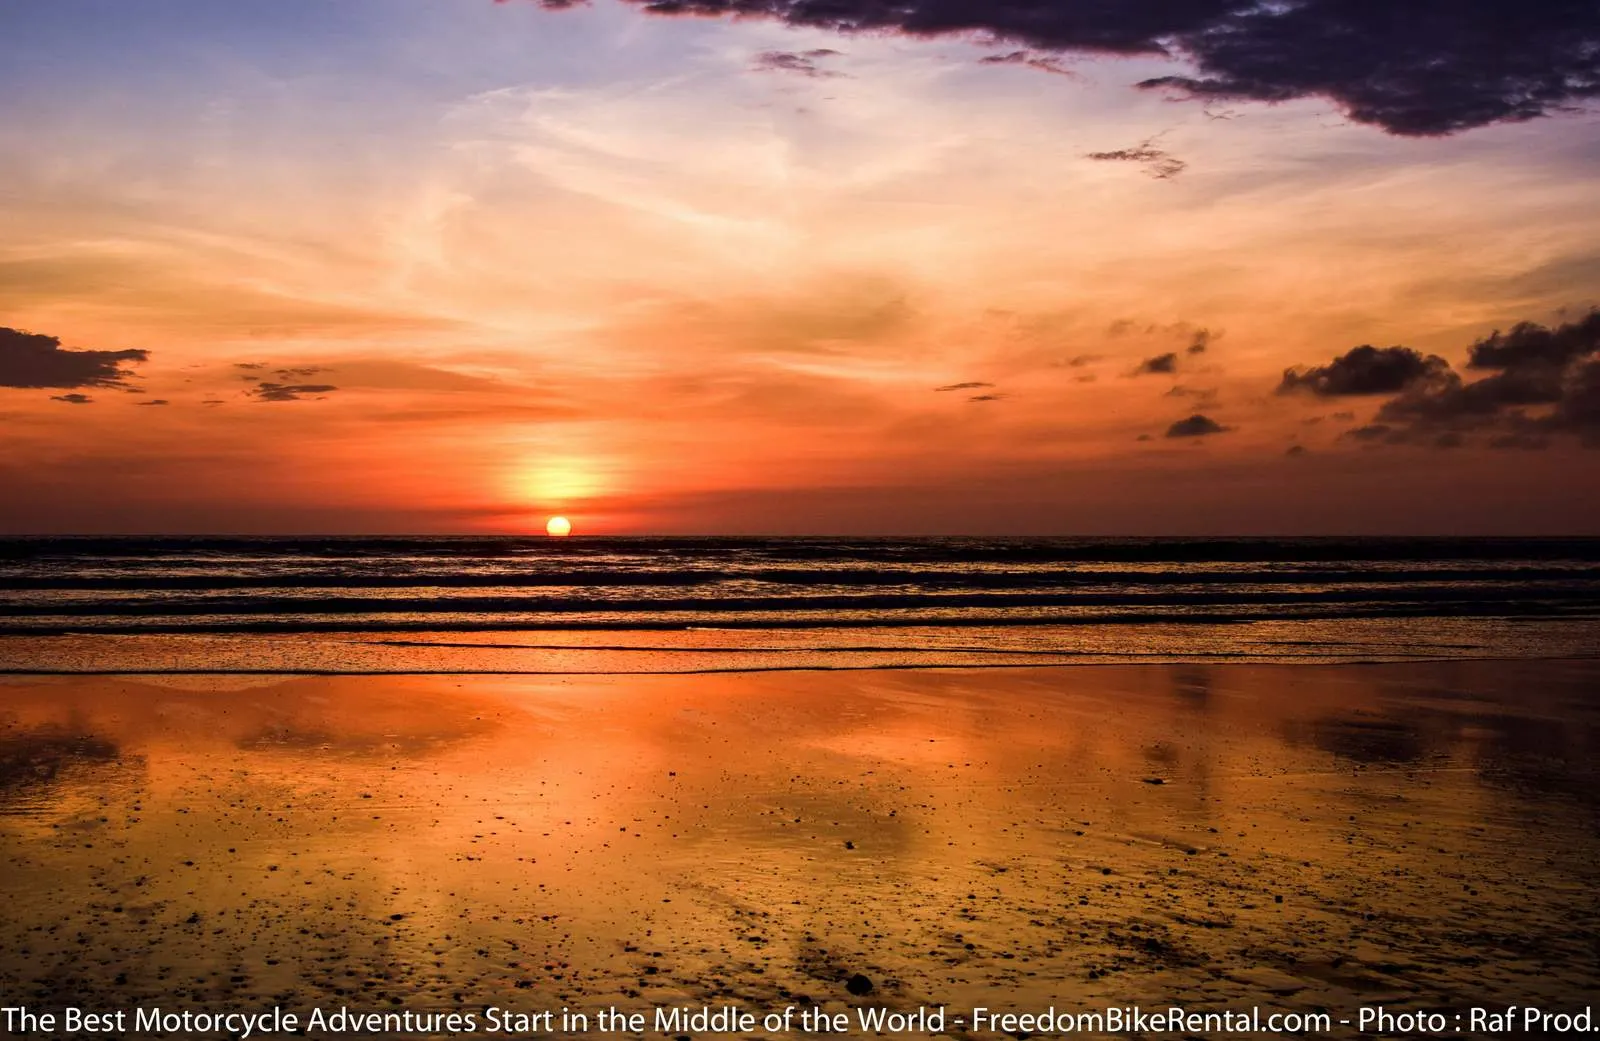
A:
x: 971, y: 549
x: 931, y: 579
x: 452, y: 623
x: 1580, y: 597
x: 840, y: 601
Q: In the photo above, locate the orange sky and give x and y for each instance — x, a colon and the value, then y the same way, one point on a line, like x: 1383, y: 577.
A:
x: 670, y: 289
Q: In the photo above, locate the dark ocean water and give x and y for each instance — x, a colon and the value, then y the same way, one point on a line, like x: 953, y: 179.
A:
x: 511, y: 604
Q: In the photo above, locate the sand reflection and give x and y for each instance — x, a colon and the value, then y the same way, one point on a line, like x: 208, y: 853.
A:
x: 1317, y: 836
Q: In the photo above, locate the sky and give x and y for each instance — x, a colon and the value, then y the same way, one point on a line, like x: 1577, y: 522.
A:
x: 779, y: 266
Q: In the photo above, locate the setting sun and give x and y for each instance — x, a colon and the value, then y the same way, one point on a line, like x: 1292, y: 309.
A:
x: 559, y: 526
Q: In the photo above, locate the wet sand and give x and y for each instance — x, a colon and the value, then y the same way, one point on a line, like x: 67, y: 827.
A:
x: 1421, y: 835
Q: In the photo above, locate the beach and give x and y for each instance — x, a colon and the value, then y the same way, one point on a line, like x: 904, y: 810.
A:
x: 717, y: 520
x: 1293, y: 837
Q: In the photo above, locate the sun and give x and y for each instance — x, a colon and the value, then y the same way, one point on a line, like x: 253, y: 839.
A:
x: 558, y: 526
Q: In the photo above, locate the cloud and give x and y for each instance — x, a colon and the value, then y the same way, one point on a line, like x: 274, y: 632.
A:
x: 1042, y: 62
x: 155, y: 401
x: 964, y: 386
x: 1531, y: 347
x: 1413, y: 69
x: 1196, y: 426
x: 1157, y: 162
x: 290, y: 391
x: 1370, y: 432
x: 33, y: 360
x: 1426, y: 67
x: 987, y: 397
x: 1542, y: 382
x: 829, y: 318
x: 387, y: 374
x: 73, y: 399
x: 1365, y: 370
x: 1160, y: 364
x: 1374, y: 434
x: 802, y: 62
x: 1202, y: 395
x: 378, y: 373
x: 1195, y: 339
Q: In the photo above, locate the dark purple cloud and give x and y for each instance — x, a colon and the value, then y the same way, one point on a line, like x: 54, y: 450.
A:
x: 1409, y: 67
x: 1196, y: 426
x: 1412, y: 67
x: 1530, y: 347
x: 290, y: 391
x: 1161, y: 364
x: 1542, y: 382
x: 33, y: 360
x: 1365, y: 370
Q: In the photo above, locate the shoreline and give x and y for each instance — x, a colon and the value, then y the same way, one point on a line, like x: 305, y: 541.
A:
x: 729, y: 650
x: 1221, y: 661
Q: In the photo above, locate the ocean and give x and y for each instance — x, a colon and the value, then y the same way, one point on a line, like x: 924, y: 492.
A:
x: 543, y: 605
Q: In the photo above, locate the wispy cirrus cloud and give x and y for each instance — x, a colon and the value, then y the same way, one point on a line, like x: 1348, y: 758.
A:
x: 802, y: 62
x: 1028, y: 59
x: 1157, y: 162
